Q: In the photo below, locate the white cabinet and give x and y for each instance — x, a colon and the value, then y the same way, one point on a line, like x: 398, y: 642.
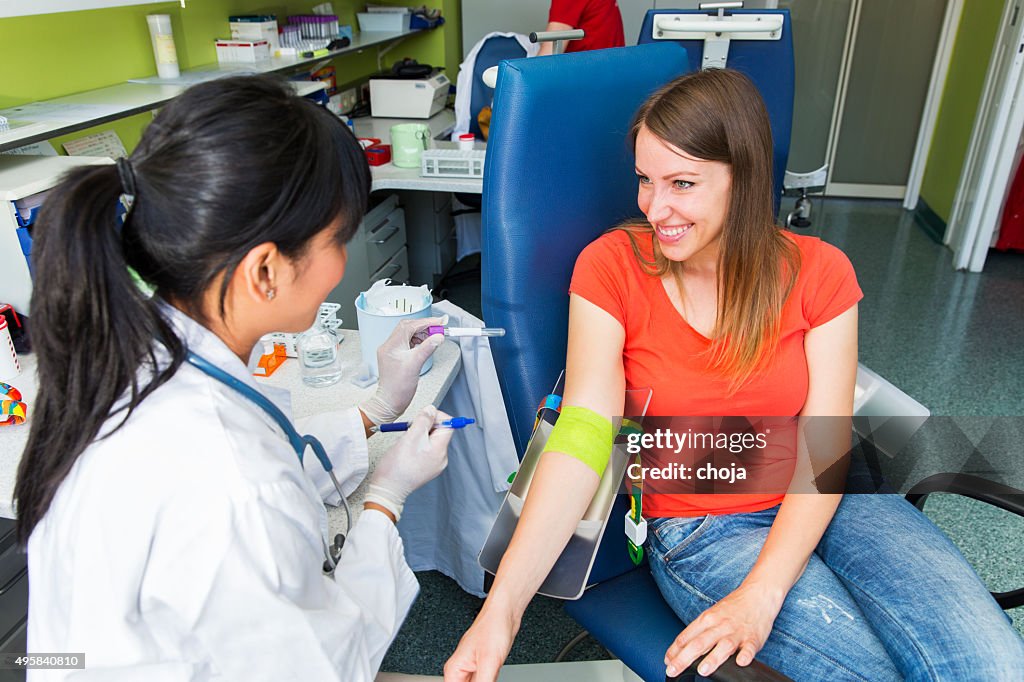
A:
x: 377, y: 251
x: 430, y: 235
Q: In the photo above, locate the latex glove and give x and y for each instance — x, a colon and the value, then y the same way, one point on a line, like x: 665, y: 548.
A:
x: 398, y: 369
x: 418, y: 457
x: 740, y: 622
x: 484, y: 647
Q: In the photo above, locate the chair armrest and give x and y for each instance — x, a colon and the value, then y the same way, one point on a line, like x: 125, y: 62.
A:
x: 996, y: 494
x: 730, y: 672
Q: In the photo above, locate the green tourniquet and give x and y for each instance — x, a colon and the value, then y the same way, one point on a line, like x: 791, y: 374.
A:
x: 583, y: 434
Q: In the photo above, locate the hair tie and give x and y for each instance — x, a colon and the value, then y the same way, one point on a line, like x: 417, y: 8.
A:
x: 124, y: 169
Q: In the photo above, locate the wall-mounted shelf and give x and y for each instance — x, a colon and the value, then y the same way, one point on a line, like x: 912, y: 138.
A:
x: 361, y: 41
x: 39, y: 121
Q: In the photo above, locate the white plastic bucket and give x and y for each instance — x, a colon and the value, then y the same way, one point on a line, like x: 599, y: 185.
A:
x: 399, y: 303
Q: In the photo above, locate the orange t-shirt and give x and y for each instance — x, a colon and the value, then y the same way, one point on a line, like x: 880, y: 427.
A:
x: 664, y: 353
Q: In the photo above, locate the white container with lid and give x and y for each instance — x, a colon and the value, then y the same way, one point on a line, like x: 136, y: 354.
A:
x: 162, y: 38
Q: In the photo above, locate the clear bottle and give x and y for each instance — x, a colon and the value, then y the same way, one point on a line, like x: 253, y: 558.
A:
x: 319, y: 356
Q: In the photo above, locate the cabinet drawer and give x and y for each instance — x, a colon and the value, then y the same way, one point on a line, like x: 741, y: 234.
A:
x: 396, y: 269
x: 443, y: 223
x: 16, y: 642
x: 12, y: 560
x: 14, y: 606
x: 384, y: 238
x: 441, y: 200
x: 378, y: 212
x: 444, y: 255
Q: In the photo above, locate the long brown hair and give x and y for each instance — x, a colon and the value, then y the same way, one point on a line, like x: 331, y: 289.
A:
x: 718, y: 115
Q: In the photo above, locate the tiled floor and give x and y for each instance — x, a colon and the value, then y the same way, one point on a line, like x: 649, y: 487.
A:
x: 952, y: 340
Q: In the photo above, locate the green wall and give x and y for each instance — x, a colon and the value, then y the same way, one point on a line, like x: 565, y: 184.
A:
x: 961, y: 95
x: 108, y: 46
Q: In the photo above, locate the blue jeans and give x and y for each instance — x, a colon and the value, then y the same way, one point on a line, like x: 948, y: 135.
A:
x: 885, y: 596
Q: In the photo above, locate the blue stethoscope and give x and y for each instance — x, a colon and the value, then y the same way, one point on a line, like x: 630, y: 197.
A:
x: 298, y: 443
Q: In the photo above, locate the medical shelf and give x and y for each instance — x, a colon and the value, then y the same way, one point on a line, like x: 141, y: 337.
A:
x: 39, y: 121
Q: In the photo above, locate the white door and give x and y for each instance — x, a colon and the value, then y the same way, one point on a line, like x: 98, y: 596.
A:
x: 988, y: 168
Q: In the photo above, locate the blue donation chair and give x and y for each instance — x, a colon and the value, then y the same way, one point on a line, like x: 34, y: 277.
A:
x: 766, y: 60
x: 560, y: 171
x: 494, y: 50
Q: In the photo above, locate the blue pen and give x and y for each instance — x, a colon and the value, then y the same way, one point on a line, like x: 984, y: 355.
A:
x: 453, y: 423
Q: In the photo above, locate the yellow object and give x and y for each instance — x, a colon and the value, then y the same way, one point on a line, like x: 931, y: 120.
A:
x: 483, y: 119
x: 583, y: 434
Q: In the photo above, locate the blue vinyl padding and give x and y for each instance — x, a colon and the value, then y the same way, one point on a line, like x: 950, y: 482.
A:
x: 491, y: 53
x: 769, y: 63
x: 629, y: 617
x: 559, y: 171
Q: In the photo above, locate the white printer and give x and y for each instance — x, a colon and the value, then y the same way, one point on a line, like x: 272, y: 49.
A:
x: 392, y: 97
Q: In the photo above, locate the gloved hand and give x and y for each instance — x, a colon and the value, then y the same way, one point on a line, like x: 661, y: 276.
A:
x: 398, y: 369
x: 415, y: 459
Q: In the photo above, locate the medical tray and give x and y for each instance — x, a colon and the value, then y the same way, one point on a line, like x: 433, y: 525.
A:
x: 452, y: 163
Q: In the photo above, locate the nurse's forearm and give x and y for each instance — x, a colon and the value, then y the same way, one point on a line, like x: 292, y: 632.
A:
x: 797, y: 530
x: 560, y: 492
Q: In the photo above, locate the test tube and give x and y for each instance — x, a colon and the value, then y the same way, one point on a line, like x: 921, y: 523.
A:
x: 422, y: 336
x: 467, y: 331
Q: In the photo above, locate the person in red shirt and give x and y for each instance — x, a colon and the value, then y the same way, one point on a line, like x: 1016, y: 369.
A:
x: 720, y: 313
x: 600, y: 20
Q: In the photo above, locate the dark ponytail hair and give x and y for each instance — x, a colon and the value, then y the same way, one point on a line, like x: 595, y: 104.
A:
x: 222, y: 168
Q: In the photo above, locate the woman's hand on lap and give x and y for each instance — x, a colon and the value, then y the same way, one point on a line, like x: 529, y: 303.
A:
x: 741, y: 622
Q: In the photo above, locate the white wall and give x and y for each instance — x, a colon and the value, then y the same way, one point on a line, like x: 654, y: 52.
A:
x: 480, y: 17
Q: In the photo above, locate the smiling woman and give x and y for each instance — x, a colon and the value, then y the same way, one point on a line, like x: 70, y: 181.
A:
x: 705, y: 185
x: 719, y: 313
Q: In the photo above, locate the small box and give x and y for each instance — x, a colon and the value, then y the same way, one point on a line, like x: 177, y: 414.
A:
x: 247, y: 51
x: 255, y: 27
x: 384, y: 21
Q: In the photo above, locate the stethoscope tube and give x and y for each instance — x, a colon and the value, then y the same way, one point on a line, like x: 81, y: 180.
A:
x: 297, y: 441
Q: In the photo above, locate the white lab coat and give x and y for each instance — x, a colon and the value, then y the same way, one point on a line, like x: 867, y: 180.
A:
x: 188, y: 546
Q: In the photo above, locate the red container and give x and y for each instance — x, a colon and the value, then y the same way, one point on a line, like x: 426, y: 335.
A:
x: 379, y: 155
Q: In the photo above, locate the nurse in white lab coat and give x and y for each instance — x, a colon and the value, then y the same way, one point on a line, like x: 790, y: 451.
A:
x: 172, y: 533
